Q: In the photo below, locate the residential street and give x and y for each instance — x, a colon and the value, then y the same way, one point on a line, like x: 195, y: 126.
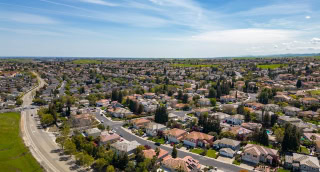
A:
x: 131, y: 137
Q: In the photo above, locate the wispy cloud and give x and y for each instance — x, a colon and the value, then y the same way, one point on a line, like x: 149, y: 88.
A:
x: 247, y: 36
x: 277, y: 9
x: 27, y: 18
x: 100, y: 2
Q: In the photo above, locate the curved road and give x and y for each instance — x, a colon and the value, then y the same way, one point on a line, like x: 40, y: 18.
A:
x: 40, y: 142
x: 117, y: 126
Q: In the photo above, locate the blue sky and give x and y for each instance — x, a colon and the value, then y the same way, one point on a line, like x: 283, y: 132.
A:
x: 158, y: 28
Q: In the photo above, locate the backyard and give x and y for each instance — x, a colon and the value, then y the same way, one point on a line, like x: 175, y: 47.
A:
x: 14, y: 155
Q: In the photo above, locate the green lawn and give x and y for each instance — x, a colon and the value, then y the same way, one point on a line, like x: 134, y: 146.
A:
x: 211, y: 153
x: 196, y: 150
x: 161, y: 140
x: 282, y: 170
x: 86, y: 61
x: 304, y: 150
x: 236, y: 162
x: 271, y: 66
x: 315, y: 92
x: 192, y: 65
x: 14, y: 156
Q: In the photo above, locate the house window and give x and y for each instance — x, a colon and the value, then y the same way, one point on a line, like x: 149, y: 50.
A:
x: 248, y: 153
x: 255, y: 156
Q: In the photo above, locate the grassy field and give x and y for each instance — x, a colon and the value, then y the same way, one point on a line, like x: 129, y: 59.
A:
x: 192, y: 65
x: 14, y: 156
x: 271, y: 66
x: 283, y: 170
x: 86, y: 61
x: 19, y: 60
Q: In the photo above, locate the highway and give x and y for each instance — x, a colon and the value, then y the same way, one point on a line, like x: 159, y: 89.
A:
x: 117, y: 126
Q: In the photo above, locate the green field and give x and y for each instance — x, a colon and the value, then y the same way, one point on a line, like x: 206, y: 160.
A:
x: 14, y: 156
x: 193, y: 65
x: 86, y: 61
x: 271, y: 66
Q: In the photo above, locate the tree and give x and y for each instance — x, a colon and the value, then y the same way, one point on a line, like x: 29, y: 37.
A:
x: 291, y: 138
x: 174, y: 153
x: 279, y: 133
x: 212, y: 93
x: 47, y: 119
x: 240, y: 109
x: 101, y: 127
x: 19, y: 102
x: 264, y: 140
x: 213, y: 102
x: 69, y: 147
x: 139, y: 154
x: 161, y: 115
x: 185, y: 98
x: 299, y: 83
x: 247, y: 116
x: 100, y: 163
x: 110, y: 168
x: 84, y: 159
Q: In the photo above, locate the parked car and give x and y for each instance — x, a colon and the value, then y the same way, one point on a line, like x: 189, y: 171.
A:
x: 157, y: 144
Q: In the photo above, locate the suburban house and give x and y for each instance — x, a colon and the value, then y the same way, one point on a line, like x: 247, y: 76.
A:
x: 93, y: 132
x: 119, y: 112
x: 175, y: 135
x: 106, y: 138
x: 125, y: 147
x: 312, y: 136
x: 187, y: 164
x: 251, y: 125
x: 150, y: 153
x: 195, y: 139
x: 291, y: 111
x: 282, y: 120
x: 235, y: 119
x: 103, y: 103
x: 152, y: 128
x: 220, y: 115
x: 140, y: 123
x: 227, y: 143
x: 255, y: 154
x: 309, y: 101
x: 317, y: 146
x: 83, y: 120
x: 228, y: 152
x: 300, y: 162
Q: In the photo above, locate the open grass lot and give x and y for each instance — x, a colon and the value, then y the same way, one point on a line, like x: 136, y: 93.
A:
x: 86, y: 61
x: 20, y: 60
x: 271, y: 66
x: 14, y: 156
x: 192, y: 65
